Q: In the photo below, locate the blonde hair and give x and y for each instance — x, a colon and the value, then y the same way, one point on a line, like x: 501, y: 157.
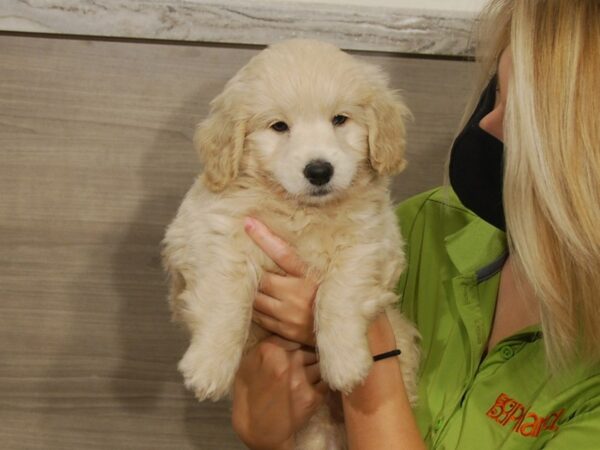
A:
x: 552, y: 162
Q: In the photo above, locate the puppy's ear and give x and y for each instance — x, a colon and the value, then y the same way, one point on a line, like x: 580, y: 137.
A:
x: 387, y: 133
x: 219, y: 141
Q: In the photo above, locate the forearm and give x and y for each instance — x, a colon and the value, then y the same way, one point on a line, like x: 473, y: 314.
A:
x: 378, y: 414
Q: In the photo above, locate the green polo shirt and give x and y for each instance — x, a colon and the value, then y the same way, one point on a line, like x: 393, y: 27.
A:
x: 468, y: 401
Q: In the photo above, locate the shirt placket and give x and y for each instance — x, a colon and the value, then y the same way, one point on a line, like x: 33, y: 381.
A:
x: 466, y: 296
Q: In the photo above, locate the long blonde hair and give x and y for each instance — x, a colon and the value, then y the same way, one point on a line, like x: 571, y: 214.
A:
x: 552, y: 162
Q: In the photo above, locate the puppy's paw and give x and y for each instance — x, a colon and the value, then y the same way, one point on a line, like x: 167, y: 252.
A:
x: 344, y: 368
x: 209, y: 376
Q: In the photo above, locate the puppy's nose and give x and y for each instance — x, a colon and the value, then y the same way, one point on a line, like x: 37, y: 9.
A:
x: 318, y: 172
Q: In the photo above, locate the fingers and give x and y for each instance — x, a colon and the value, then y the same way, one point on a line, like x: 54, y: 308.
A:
x: 301, y: 355
x: 276, y: 248
x: 313, y: 373
x: 269, y: 323
x: 322, y: 388
x: 308, y: 358
x: 280, y: 342
x: 284, y: 306
x: 267, y: 305
x: 271, y: 283
x: 293, y: 332
x: 300, y: 290
x: 303, y: 335
x: 296, y: 371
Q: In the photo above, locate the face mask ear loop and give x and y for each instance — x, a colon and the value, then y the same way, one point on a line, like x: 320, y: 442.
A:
x: 486, y: 103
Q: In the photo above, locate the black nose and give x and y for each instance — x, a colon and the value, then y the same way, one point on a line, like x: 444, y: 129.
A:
x: 318, y: 172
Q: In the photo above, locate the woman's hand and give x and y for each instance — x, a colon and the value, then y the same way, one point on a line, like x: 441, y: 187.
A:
x: 284, y: 302
x: 277, y: 389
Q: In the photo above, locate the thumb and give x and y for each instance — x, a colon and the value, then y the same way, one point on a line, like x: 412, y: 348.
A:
x: 281, y: 252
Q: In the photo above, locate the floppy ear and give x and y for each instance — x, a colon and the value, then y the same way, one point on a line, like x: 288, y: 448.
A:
x: 387, y: 133
x: 219, y: 141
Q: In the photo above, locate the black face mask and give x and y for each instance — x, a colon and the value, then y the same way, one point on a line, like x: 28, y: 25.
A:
x: 476, y: 165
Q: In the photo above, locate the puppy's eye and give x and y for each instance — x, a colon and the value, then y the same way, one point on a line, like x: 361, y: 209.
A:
x: 339, y: 120
x: 280, y: 127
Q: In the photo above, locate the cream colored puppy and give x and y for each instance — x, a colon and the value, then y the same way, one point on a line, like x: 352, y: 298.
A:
x: 304, y: 138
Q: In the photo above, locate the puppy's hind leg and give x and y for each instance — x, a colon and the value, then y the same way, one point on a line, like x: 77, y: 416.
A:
x: 221, y: 307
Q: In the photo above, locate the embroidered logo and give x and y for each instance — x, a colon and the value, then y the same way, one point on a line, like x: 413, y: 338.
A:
x: 508, y: 411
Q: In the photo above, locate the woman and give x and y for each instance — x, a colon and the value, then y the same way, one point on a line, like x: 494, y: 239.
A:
x: 510, y: 320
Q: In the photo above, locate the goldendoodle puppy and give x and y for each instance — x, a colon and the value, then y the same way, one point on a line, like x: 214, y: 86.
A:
x: 304, y: 138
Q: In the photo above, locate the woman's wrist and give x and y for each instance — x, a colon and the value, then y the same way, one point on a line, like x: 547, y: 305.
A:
x: 378, y: 413
x: 381, y: 336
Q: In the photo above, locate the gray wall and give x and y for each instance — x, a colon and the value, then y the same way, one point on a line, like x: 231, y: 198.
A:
x: 95, y: 156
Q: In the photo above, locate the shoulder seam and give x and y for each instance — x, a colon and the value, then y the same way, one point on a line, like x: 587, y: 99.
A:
x: 406, y: 235
x: 458, y: 208
x: 412, y: 225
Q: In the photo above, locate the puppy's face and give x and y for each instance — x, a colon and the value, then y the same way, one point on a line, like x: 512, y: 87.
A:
x: 312, y: 149
x: 305, y: 119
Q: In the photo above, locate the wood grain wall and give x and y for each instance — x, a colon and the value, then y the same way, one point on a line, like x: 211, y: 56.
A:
x: 95, y: 156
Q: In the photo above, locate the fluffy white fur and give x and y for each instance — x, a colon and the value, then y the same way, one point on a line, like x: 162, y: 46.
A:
x: 346, y: 230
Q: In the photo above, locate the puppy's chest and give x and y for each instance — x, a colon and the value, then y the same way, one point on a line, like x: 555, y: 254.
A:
x: 321, y: 240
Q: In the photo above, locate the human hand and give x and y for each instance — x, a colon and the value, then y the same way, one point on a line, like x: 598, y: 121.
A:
x: 277, y: 388
x: 284, y: 303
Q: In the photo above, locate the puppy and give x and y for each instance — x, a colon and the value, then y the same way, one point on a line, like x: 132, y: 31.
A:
x: 303, y: 138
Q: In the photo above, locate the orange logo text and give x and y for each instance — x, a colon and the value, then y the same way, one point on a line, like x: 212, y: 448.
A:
x: 509, y: 412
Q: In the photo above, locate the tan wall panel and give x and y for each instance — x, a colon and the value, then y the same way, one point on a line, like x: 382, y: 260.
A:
x: 95, y: 156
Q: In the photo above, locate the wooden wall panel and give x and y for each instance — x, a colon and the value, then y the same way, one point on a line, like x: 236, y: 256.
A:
x: 95, y: 156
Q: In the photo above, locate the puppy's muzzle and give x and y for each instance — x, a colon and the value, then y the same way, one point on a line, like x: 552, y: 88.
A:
x: 318, y: 172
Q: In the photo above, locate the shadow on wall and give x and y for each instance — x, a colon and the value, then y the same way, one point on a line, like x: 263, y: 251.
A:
x: 151, y: 345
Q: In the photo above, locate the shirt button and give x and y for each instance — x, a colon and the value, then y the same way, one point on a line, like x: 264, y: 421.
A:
x: 438, y: 424
x: 507, y: 352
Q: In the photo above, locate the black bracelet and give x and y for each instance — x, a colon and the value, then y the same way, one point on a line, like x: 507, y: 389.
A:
x: 385, y: 355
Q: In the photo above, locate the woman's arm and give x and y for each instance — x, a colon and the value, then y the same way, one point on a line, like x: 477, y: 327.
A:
x: 278, y: 386
x: 378, y: 414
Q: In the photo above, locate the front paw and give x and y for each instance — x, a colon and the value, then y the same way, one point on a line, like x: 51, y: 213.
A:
x: 208, y: 375
x: 344, y: 367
